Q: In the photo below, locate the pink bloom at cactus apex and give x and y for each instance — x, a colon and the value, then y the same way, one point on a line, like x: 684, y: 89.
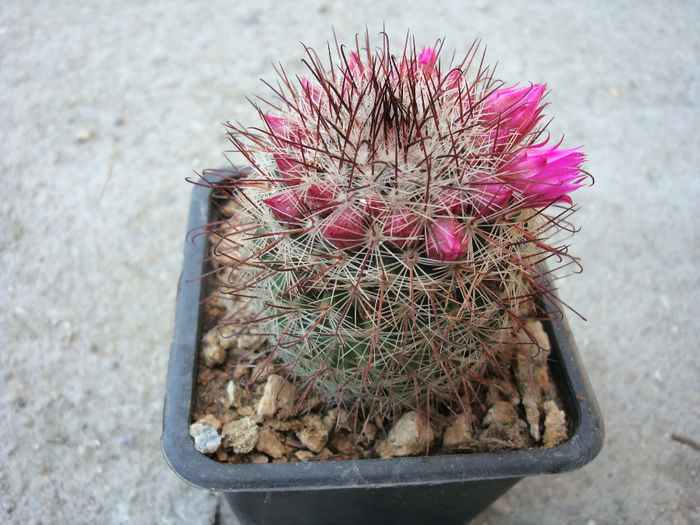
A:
x: 514, y: 112
x: 427, y: 58
x: 286, y: 206
x: 402, y: 229
x: 284, y: 132
x: 346, y: 229
x: 321, y: 197
x: 446, y: 240
x: 544, y: 175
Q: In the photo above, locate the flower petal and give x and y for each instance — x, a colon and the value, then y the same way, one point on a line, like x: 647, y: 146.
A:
x: 543, y: 175
x: 513, y: 113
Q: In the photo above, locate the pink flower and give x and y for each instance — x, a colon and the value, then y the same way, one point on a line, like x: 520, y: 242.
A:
x: 544, y: 175
x: 321, y: 198
x: 346, y: 229
x: 446, y: 240
x: 402, y: 229
x: 513, y: 113
x: 411, y: 66
x: 286, y: 206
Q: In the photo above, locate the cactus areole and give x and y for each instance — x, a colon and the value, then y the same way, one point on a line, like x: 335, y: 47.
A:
x: 397, y: 225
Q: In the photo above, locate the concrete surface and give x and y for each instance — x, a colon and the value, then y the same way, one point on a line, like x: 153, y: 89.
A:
x: 105, y: 107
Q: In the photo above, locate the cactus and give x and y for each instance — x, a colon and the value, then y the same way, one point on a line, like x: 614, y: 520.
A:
x: 394, y: 225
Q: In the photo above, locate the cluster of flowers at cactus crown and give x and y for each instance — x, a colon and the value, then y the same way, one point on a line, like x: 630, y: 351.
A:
x: 519, y: 174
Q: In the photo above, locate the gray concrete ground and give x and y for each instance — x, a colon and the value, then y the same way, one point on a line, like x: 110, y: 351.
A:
x: 106, y: 107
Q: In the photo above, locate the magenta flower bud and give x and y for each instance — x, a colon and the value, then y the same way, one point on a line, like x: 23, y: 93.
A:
x: 284, y: 132
x: 449, y: 201
x: 286, y: 206
x: 488, y: 195
x: 446, y: 240
x: 514, y: 111
x: 312, y: 90
x: 427, y: 58
x: 321, y: 198
x: 507, y: 100
x: 376, y: 206
x: 279, y: 127
x: 355, y: 65
x: 544, y: 175
x: 347, y: 229
x: 402, y: 229
x: 290, y: 169
x: 452, y: 79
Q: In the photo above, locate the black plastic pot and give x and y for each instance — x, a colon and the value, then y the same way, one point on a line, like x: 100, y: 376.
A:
x: 439, y: 489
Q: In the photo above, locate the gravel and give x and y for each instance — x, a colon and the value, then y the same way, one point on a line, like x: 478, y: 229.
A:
x: 206, y: 439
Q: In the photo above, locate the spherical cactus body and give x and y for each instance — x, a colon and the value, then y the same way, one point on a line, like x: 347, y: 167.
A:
x: 395, y: 225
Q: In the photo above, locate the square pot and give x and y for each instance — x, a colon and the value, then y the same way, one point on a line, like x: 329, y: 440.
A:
x: 436, y: 489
